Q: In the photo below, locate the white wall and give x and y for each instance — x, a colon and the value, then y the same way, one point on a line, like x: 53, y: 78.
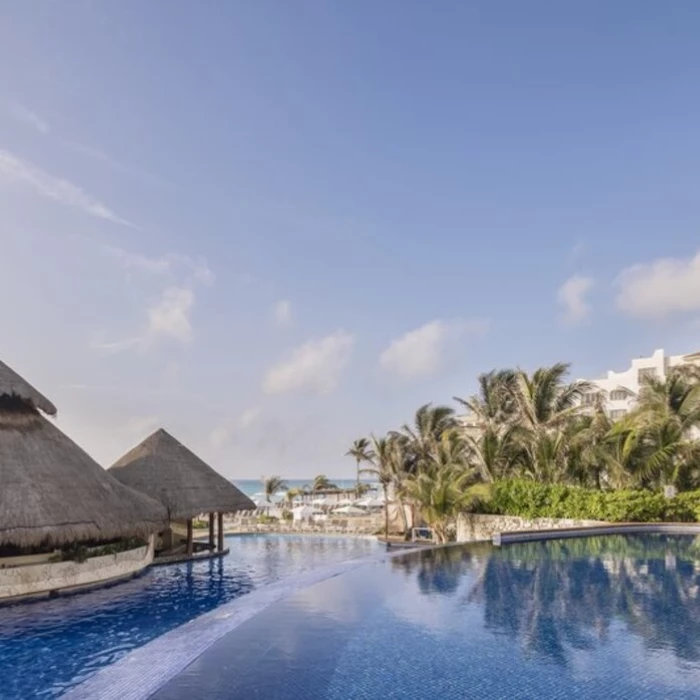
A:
x: 630, y: 380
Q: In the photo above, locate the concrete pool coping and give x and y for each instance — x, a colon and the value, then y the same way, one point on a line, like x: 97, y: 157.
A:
x: 145, y: 670
x: 596, y: 530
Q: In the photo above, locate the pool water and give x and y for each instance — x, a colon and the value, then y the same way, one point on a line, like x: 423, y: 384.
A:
x: 49, y: 646
x: 580, y: 619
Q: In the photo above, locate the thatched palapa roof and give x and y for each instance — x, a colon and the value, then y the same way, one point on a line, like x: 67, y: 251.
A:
x: 166, y: 470
x: 51, y: 491
x: 12, y: 385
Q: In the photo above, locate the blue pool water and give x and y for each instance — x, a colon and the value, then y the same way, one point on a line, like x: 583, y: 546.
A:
x: 585, y: 619
x: 49, y: 646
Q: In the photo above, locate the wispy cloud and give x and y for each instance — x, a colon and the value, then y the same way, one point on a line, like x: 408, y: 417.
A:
x: 14, y: 169
x: 222, y: 434
x: 28, y: 117
x: 117, y: 165
x: 283, y: 313
x: 421, y: 352
x: 168, y: 264
x: 571, y: 296
x: 660, y: 288
x: 167, y: 315
x: 314, y: 367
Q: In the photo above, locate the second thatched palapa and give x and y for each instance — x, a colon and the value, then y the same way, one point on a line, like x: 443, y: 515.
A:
x: 163, y: 468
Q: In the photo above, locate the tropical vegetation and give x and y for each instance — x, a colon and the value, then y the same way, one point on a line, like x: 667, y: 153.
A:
x: 360, y: 452
x: 322, y: 483
x: 530, y: 445
x: 272, y: 485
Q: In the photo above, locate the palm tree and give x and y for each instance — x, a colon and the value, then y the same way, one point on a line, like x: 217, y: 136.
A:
x: 272, y: 485
x: 445, y: 490
x: 292, y: 494
x: 666, y: 421
x: 494, y: 404
x: 544, y: 408
x: 543, y: 400
x: 385, y: 457
x: 322, y: 483
x: 361, y: 452
x: 429, y: 423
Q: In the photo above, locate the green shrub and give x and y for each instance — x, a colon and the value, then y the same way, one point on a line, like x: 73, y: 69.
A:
x: 530, y: 499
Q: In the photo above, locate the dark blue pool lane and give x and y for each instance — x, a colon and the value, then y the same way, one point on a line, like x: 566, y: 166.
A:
x: 49, y: 646
x: 607, y: 617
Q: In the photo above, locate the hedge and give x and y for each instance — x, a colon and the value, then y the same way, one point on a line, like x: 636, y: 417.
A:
x: 530, y: 499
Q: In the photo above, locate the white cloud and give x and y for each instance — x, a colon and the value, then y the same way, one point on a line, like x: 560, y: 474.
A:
x: 661, y: 287
x: 283, y: 313
x: 571, y: 296
x: 15, y: 169
x: 168, y: 317
x: 26, y: 115
x: 314, y: 367
x: 172, y: 264
x: 222, y: 434
x: 171, y: 315
x: 421, y: 352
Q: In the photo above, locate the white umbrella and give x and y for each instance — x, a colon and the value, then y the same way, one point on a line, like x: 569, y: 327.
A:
x: 304, y: 512
x: 371, y: 503
x: 344, y: 502
x: 319, y: 502
x: 348, y: 510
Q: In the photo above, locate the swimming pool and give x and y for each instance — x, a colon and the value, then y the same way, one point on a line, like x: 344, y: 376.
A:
x: 49, y: 646
x: 616, y: 616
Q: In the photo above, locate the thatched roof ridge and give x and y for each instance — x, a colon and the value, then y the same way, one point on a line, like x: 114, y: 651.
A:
x: 52, y: 492
x: 166, y: 470
x: 14, y: 386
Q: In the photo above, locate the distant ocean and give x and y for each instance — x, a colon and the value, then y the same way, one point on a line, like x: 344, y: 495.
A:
x: 250, y: 487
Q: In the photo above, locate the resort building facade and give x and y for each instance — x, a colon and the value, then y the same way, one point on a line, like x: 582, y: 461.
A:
x: 618, y: 391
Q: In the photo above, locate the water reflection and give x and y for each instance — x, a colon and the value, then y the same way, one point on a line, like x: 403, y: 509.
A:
x: 442, y: 570
x: 565, y: 595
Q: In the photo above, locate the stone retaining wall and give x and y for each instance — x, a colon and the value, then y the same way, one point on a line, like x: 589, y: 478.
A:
x: 474, y: 528
x: 34, y: 579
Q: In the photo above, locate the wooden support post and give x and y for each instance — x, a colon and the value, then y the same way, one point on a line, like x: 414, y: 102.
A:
x: 221, y: 531
x: 211, y: 532
x: 190, y: 540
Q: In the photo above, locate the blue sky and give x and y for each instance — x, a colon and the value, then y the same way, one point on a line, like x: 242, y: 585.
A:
x: 273, y: 227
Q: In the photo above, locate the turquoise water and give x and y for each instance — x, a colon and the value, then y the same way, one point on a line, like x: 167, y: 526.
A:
x: 49, y: 646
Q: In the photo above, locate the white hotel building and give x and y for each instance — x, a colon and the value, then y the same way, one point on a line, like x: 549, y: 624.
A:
x: 620, y: 389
